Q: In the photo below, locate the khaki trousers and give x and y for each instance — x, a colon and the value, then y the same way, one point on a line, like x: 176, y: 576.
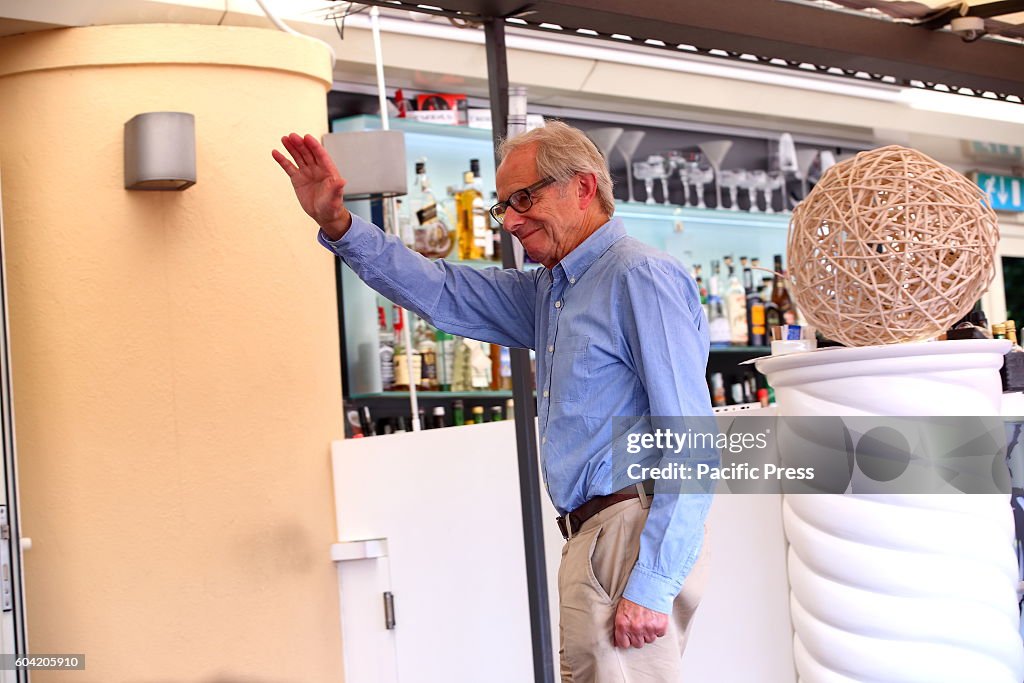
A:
x: 595, y: 566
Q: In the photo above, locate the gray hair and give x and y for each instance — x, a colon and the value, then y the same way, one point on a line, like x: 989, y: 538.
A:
x: 562, y: 152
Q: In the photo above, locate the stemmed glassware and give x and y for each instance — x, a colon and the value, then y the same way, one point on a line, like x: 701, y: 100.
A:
x: 754, y: 181
x: 731, y: 180
x: 626, y: 145
x: 715, y: 151
x: 643, y: 170
x: 805, y: 159
x: 775, y: 180
x: 699, y: 177
x: 661, y: 170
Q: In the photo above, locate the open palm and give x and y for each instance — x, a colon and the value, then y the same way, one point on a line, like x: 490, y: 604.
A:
x: 316, y: 181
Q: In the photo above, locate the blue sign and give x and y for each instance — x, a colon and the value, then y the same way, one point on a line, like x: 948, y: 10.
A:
x: 1004, y: 191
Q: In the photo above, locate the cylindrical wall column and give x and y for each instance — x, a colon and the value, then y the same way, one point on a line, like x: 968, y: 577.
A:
x: 900, y: 588
x: 175, y: 358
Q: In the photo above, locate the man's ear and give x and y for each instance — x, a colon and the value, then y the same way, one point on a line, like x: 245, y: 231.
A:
x: 586, y: 189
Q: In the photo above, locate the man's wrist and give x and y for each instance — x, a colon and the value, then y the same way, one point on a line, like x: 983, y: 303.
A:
x: 336, y: 229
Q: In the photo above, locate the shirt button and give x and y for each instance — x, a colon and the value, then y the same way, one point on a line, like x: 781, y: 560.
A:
x: 572, y: 281
x: 558, y: 304
x: 551, y: 349
x: 543, y: 439
x: 545, y: 393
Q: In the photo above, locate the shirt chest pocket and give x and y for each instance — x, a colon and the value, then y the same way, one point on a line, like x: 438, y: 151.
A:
x: 570, y: 369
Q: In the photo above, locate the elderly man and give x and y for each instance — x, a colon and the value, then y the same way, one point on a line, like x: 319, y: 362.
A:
x: 618, y: 331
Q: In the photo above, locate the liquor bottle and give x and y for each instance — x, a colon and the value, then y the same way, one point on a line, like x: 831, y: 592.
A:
x: 478, y: 415
x: 496, y: 414
x: 458, y: 413
x: 717, y: 390
x: 495, y: 231
x: 772, y: 315
x: 445, y: 359
x: 495, y: 353
x: 780, y: 295
x: 428, y: 367
x: 467, y: 202
x: 386, y: 348
x: 736, y: 393
x: 439, y: 418
x: 405, y: 231
x: 483, y: 237
x: 723, y: 283
x: 998, y: 331
x: 1011, y: 334
x: 736, y: 307
x: 353, y: 424
x: 755, y: 307
x: 462, y: 370
x: 366, y: 420
x: 402, y: 375
x: 432, y: 236
x: 702, y: 291
x: 718, y: 324
x: 510, y: 406
x: 480, y: 365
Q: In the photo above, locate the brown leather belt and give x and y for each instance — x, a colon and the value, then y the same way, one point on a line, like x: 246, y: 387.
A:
x: 571, y: 523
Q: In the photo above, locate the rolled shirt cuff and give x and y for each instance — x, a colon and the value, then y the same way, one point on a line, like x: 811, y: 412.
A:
x: 652, y: 590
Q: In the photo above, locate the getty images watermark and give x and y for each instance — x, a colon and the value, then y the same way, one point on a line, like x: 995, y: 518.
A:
x: 759, y: 454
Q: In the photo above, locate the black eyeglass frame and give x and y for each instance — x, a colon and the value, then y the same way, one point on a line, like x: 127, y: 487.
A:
x: 500, y: 217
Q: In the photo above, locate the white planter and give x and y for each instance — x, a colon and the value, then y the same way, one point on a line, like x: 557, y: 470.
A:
x: 889, y: 588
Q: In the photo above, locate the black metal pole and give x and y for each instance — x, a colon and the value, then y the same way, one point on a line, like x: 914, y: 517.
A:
x: 522, y: 393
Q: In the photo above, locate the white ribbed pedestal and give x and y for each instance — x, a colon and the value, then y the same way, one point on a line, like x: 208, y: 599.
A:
x: 900, y: 588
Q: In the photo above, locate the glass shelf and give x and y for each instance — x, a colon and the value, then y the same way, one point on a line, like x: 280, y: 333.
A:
x: 687, y: 214
x: 369, y: 122
x: 436, y: 394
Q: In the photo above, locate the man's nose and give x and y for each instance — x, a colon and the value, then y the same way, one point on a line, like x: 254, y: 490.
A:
x: 512, y: 220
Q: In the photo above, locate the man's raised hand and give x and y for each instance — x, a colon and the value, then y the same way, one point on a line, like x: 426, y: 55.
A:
x: 317, y: 183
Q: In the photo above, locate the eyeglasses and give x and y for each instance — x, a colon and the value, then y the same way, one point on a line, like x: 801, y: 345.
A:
x: 520, y: 200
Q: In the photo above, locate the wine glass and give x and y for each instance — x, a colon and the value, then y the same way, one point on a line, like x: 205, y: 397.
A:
x: 626, y: 145
x: 715, y: 151
x: 689, y: 173
x: 675, y: 166
x: 805, y: 159
x: 730, y: 180
x: 775, y: 180
x: 604, y: 139
x: 755, y: 180
x: 643, y: 171
x: 660, y: 169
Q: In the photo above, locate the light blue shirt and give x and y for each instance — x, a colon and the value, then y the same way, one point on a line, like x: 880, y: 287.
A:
x: 618, y: 329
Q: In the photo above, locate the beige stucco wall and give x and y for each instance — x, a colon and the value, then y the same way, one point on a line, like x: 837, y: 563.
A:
x: 175, y: 359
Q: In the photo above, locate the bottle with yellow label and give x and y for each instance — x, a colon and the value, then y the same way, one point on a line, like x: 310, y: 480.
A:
x: 472, y: 230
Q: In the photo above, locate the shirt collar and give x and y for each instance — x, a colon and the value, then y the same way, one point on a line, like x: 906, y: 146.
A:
x: 577, y: 261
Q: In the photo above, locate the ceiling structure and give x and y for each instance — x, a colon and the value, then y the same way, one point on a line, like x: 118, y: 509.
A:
x: 1001, y: 18
x: 802, y: 35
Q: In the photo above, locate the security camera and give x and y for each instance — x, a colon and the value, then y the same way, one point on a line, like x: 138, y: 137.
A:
x: 968, y: 28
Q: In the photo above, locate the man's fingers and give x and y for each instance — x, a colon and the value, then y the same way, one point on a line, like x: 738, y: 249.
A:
x: 289, y: 145
x: 300, y: 147
x: 284, y: 163
x: 620, y: 637
x: 321, y: 155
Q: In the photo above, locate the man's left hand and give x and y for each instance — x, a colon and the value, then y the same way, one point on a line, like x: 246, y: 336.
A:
x: 636, y: 625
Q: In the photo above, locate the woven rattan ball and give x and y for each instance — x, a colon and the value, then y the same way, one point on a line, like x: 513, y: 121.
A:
x: 890, y: 246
